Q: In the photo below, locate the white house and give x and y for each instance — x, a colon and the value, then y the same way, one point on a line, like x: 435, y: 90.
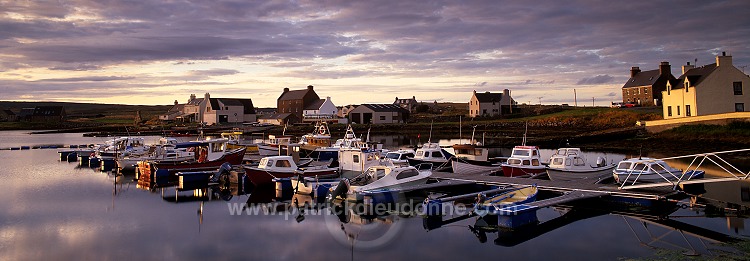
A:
x: 213, y: 110
x: 710, y: 89
x: 322, y: 109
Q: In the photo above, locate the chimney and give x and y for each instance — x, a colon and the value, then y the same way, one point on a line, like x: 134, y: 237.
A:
x: 286, y: 89
x: 724, y: 60
x: 396, y: 99
x: 207, y: 96
x: 506, y: 92
x: 687, y: 67
x: 310, y: 87
x: 634, y: 70
x: 175, y: 102
x: 192, y: 97
x: 665, y: 69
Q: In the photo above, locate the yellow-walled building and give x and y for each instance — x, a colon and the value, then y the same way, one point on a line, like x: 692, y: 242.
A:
x: 710, y: 89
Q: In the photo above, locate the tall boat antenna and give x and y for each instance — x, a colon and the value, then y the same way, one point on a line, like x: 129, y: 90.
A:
x: 472, y: 135
x: 368, y: 134
x: 460, y: 134
x: 429, y: 138
x: 523, y: 143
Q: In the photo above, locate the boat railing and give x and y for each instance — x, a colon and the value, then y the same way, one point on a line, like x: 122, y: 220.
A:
x: 697, y: 161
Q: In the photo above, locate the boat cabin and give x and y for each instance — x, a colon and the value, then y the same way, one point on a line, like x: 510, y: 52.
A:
x: 470, y: 152
x: 206, y: 150
x: 525, y: 156
x: 276, y: 163
x: 400, y: 155
x: 430, y: 152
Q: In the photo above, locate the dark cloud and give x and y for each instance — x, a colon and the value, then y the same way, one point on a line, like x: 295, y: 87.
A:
x: 554, y: 45
x: 599, y: 79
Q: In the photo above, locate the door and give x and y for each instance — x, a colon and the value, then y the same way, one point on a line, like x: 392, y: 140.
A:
x: 223, y: 118
x: 366, y: 118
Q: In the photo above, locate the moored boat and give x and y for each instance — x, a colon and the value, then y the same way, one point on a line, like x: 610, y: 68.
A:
x: 378, y: 179
x: 524, y: 161
x: 630, y: 171
x: 495, y: 204
x: 570, y: 164
x: 209, y: 155
x: 433, y: 154
x: 473, y: 159
x: 283, y: 167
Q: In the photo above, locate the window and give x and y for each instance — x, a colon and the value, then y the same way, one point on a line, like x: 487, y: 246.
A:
x: 669, y: 110
x: 678, y: 109
x: 437, y: 154
x: 687, y: 110
x: 407, y: 174
x: 270, y: 163
x: 535, y: 162
x: 484, y: 111
x: 283, y: 163
x: 420, y: 153
x: 526, y: 162
x: 382, y: 118
x: 739, y: 107
x: 355, y: 158
x: 737, y: 88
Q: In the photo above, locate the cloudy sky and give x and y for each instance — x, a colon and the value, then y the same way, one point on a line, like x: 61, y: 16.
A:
x: 158, y: 51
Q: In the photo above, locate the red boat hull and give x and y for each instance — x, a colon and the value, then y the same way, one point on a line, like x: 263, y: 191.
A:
x: 513, y: 171
x: 261, y: 177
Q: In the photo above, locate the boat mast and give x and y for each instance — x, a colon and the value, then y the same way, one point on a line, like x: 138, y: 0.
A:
x: 523, y: 143
x: 429, y: 138
x: 472, y: 135
x: 460, y: 134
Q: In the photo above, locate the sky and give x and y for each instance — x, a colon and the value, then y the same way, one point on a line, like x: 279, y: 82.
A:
x: 154, y: 52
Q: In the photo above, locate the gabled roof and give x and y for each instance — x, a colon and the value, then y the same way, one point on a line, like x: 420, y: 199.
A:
x: 695, y: 76
x: 49, y: 111
x: 294, y: 95
x: 643, y: 78
x: 195, y: 102
x: 489, y: 97
x: 247, y: 104
x: 384, y: 107
x: 176, y: 107
x: 315, y: 105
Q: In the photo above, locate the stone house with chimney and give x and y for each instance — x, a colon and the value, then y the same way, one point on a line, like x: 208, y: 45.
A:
x: 490, y: 104
x: 408, y: 104
x: 212, y: 111
x: 644, y: 87
x: 296, y: 101
x: 710, y: 89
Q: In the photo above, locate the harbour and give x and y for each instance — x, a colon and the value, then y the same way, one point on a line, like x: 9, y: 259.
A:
x: 124, y: 218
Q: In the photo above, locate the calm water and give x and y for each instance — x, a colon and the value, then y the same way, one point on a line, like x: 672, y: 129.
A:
x: 57, y: 210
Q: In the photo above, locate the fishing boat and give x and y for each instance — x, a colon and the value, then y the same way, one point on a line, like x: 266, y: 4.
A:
x: 164, y: 151
x: 635, y: 170
x: 380, y: 179
x: 270, y: 147
x: 494, y: 204
x: 319, y: 138
x: 283, y: 167
x: 524, y: 161
x: 208, y: 155
x: 474, y: 159
x: 235, y: 141
x: 570, y: 164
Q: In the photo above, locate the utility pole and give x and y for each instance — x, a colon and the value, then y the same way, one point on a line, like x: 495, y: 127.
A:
x: 592, y: 102
x: 575, y: 98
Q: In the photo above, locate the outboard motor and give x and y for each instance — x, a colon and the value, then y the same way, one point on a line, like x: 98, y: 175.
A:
x: 601, y: 162
x: 340, y: 190
x: 223, y: 170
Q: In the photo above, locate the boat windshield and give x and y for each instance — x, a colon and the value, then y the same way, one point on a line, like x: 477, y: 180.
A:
x: 393, y: 155
x: 624, y: 165
x: 514, y: 161
x: 525, y: 153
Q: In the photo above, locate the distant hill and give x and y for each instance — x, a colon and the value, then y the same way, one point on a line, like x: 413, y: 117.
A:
x: 76, y: 110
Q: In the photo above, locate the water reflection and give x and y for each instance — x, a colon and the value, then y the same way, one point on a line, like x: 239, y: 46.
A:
x: 53, y: 209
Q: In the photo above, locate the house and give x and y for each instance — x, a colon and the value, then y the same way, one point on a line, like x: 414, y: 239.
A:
x: 710, y: 89
x: 296, y: 101
x: 212, y: 111
x: 490, y: 104
x: 644, y: 87
x: 409, y: 105
x: 8, y: 115
x: 278, y: 119
x: 322, y: 109
x: 378, y: 114
x: 44, y: 114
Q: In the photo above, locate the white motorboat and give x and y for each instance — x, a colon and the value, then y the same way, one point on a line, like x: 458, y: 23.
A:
x: 380, y: 179
x: 630, y: 171
x: 570, y: 164
x: 524, y: 161
x: 400, y: 157
x: 433, y: 154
